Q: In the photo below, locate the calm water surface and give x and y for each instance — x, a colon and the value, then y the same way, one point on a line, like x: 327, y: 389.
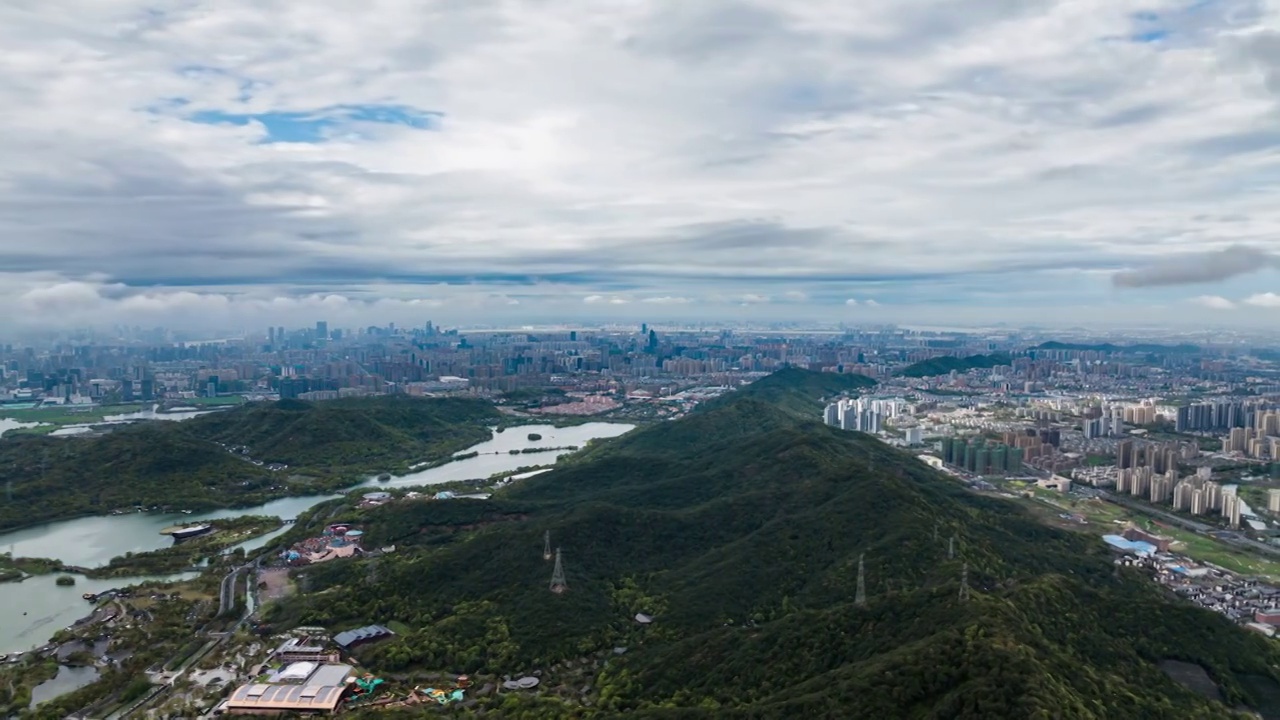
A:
x: 93, y: 541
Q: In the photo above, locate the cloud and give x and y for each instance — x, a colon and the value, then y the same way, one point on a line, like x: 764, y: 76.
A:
x: 667, y: 300
x: 477, y: 154
x: 851, y: 301
x: 1214, y: 302
x: 1196, y: 268
x: 870, y: 303
x: 1266, y: 300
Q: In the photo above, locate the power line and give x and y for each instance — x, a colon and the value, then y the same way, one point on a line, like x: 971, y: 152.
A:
x: 558, y: 582
x: 860, y: 599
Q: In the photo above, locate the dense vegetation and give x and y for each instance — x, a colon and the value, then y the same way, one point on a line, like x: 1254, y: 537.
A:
x: 1184, y: 348
x: 739, y: 529
x: 182, y: 466
x: 798, y: 391
x: 946, y: 363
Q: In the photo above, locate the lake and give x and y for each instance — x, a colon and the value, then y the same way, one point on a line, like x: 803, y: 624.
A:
x: 93, y: 541
x: 67, y: 680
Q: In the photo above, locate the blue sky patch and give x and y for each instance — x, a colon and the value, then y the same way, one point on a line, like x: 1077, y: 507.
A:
x: 320, y: 125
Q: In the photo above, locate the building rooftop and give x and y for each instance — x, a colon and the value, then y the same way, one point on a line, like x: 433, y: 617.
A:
x: 297, y: 672
x: 258, y: 696
x: 359, y: 635
x: 330, y: 674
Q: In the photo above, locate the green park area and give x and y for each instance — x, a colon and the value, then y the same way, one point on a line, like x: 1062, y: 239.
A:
x: 62, y: 415
x: 58, y: 416
x: 208, y: 401
x: 1103, y: 518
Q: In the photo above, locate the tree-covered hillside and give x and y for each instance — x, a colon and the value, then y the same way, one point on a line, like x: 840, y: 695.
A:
x: 798, y: 391
x: 180, y: 465
x: 946, y: 363
x: 740, y: 529
x: 351, y: 434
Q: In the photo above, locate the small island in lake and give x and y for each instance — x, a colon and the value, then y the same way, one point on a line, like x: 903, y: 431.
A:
x: 535, y: 436
x: 65, y: 580
x: 201, y: 541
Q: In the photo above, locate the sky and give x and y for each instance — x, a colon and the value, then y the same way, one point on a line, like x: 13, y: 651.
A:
x: 243, y: 163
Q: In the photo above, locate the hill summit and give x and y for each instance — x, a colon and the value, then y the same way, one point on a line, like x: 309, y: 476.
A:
x: 742, y: 531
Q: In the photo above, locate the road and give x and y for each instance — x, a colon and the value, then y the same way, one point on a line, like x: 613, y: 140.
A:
x: 1237, y: 540
x: 227, y: 593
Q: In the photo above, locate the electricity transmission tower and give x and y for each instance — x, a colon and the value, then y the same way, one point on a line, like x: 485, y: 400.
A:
x: 546, y: 545
x: 860, y: 599
x: 964, y: 582
x: 558, y: 583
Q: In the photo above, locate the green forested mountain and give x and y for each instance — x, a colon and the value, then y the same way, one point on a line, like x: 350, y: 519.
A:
x: 182, y: 466
x: 1183, y: 348
x: 351, y: 434
x: 796, y: 390
x: 739, y: 529
x: 946, y: 363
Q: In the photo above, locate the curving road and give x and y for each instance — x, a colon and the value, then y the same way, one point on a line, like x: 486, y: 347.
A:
x: 227, y: 593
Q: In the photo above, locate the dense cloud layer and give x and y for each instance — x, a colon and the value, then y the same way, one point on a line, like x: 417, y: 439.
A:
x: 246, y: 160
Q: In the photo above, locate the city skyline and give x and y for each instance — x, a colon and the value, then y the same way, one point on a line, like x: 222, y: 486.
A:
x: 1058, y: 163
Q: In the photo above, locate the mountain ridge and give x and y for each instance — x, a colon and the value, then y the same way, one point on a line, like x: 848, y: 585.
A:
x: 739, y: 528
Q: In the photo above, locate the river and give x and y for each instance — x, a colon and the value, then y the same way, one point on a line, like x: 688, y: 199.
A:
x: 7, y: 424
x: 93, y: 541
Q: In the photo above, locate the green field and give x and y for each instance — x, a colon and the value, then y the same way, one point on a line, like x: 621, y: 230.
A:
x: 1104, y: 518
x: 69, y: 415
x: 220, y: 400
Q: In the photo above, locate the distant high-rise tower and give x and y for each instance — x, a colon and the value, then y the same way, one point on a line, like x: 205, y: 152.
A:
x: 558, y: 583
x: 964, y: 582
x: 860, y: 599
x: 322, y: 330
x: 546, y: 545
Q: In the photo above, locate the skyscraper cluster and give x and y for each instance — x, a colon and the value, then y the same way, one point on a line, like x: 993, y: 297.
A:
x: 982, y: 458
x: 862, y: 414
x: 1227, y: 414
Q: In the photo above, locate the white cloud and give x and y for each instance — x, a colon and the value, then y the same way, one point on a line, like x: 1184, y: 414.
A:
x: 1213, y: 302
x: 667, y: 300
x: 1266, y: 300
x: 1037, y: 142
x: 870, y: 303
x: 851, y: 301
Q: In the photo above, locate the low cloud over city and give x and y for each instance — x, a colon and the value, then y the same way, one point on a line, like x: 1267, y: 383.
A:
x: 224, y: 164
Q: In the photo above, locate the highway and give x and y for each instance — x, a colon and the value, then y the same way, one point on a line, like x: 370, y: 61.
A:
x: 227, y: 593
